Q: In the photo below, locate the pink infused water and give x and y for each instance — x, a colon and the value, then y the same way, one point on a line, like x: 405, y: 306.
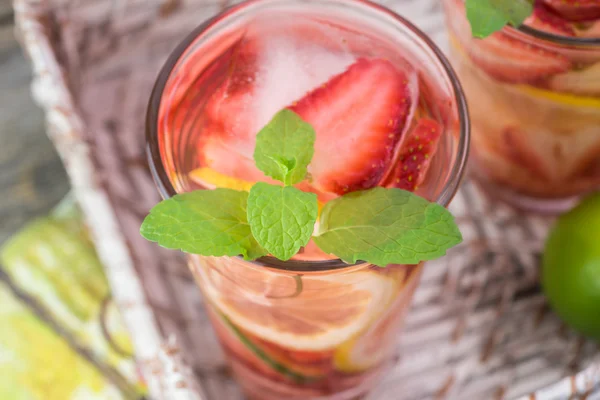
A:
x: 386, y: 111
x: 379, y: 120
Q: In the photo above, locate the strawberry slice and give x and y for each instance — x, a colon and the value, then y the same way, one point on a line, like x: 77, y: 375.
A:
x: 510, y: 60
x: 226, y: 143
x: 576, y: 10
x: 415, y: 155
x: 589, y: 30
x: 188, y: 92
x: 543, y: 19
x: 228, y: 155
x: 231, y: 106
x: 359, y: 116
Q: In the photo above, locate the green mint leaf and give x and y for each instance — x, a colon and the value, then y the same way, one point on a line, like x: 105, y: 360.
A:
x: 285, y: 147
x: 489, y: 16
x: 386, y: 226
x: 282, y: 219
x: 207, y: 222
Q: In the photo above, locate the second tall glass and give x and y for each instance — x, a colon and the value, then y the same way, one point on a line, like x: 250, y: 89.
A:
x: 534, y: 99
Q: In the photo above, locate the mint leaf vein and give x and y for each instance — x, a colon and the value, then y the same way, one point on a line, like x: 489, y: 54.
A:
x: 207, y: 222
x: 285, y: 147
x: 386, y: 226
x: 282, y: 219
x: 489, y: 16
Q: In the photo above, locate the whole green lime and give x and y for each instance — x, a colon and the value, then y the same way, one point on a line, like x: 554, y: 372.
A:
x: 571, y: 267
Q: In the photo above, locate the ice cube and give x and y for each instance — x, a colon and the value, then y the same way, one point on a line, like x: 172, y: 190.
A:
x: 292, y: 65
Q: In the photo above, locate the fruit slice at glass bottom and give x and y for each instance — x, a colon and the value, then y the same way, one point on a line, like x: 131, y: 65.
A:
x: 371, y: 347
x: 255, y: 354
x: 320, y: 353
x: 327, y: 311
x: 266, y: 371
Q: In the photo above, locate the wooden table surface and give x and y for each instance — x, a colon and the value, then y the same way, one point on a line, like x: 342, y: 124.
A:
x: 32, y: 178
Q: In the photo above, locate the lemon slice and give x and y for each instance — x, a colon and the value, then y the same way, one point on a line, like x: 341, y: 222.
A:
x: 561, y: 98
x: 309, y: 313
x: 211, y: 179
x: 373, y: 346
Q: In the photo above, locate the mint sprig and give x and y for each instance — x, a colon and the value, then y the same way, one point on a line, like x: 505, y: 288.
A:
x: 380, y: 226
x: 285, y: 147
x: 393, y: 227
x: 281, y: 218
x: 489, y: 16
x: 207, y: 222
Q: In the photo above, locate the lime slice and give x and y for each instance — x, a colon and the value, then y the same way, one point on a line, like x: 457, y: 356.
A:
x: 264, y: 356
x: 571, y: 267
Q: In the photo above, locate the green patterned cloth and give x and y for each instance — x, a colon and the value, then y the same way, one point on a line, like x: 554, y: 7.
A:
x: 61, y: 337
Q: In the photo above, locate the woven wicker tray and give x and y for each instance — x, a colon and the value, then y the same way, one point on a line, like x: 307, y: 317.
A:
x: 479, y: 327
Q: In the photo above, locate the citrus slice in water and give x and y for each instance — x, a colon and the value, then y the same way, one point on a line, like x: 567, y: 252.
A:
x: 308, y: 313
x: 210, y: 179
x: 564, y: 99
x: 373, y: 346
x: 257, y: 356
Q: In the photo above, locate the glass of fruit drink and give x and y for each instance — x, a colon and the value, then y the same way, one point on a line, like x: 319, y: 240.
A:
x: 534, y: 98
x: 387, y: 111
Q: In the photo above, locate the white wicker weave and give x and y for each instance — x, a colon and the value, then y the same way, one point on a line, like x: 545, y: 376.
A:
x: 479, y: 327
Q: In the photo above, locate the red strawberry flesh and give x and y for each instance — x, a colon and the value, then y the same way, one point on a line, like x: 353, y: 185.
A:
x: 228, y: 155
x: 230, y: 107
x: 227, y: 141
x: 359, y: 117
x: 545, y: 20
x: 514, y: 61
x: 416, y: 153
x: 576, y: 10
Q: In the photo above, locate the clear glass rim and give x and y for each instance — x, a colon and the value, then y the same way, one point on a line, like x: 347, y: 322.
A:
x: 557, y: 39
x: 167, y: 190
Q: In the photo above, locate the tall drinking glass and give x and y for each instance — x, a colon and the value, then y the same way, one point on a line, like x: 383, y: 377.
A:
x: 534, y: 98
x: 312, y: 327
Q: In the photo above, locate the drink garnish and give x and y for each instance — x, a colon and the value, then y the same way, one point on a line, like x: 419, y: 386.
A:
x: 285, y: 147
x: 358, y: 126
x: 558, y: 17
x: 379, y: 225
x: 489, y: 16
x: 416, y: 154
x: 575, y: 10
x: 281, y: 218
x: 544, y: 19
x: 386, y: 226
x: 207, y: 222
x: 507, y: 58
